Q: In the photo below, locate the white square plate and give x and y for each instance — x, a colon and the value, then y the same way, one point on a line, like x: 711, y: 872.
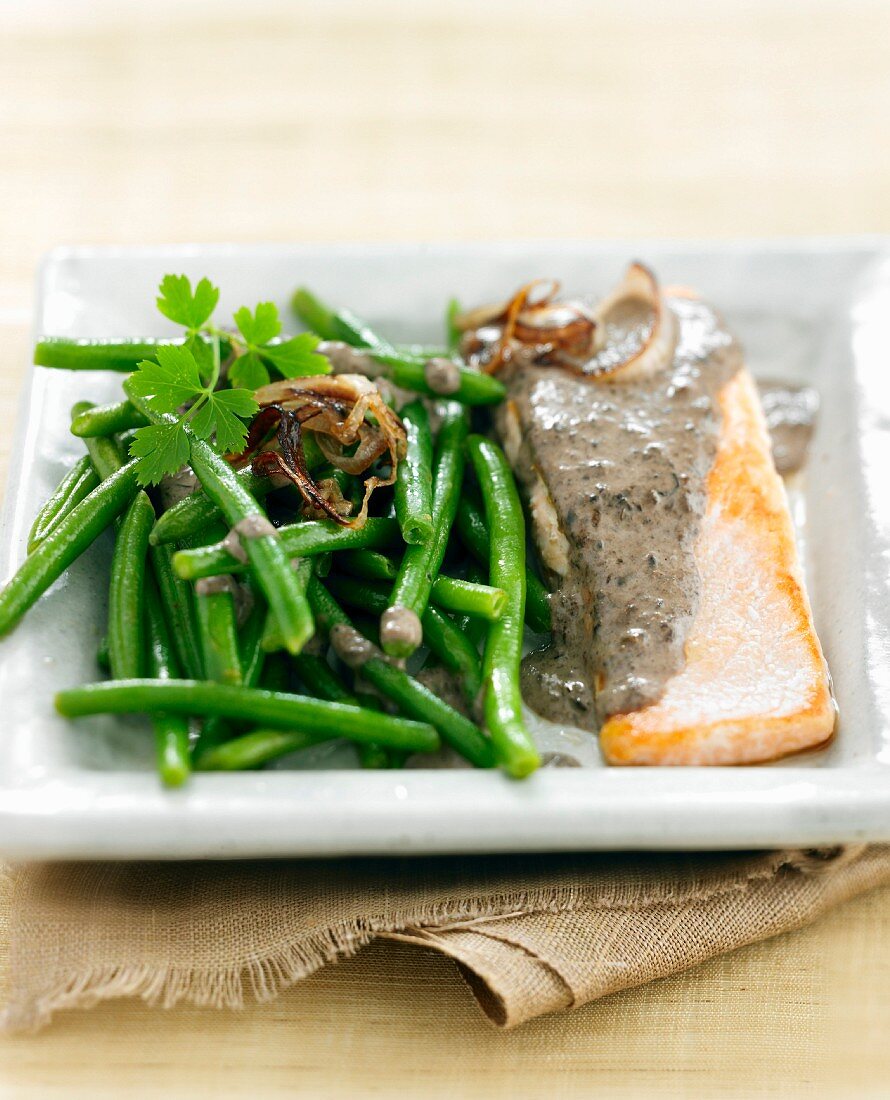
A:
x: 815, y: 312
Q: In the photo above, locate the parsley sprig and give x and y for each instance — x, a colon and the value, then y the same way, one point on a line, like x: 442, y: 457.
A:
x: 291, y: 358
x: 169, y: 384
x: 182, y: 383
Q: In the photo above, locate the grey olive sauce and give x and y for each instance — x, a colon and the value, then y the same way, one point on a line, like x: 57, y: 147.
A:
x: 790, y: 413
x: 625, y: 464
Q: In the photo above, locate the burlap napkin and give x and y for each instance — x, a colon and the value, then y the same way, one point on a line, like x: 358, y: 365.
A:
x: 531, y: 934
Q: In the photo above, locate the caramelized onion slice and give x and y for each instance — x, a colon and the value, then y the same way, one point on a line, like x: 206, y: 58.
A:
x: 493, y: 313
x: 342, y: 410
x: 290, y: 462
x: 534, y: 326
x: 531, y: 322
x: 656, y: 351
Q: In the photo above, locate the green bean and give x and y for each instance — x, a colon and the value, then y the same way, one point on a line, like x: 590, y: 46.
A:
x: 474, y: 388
x: 268, y: 560
x: 252, y: 750
x: 273, y: 639
x: 253, y: 655
x: 172, y: 748
x: 502, y: 705
x: 413, y: 490
x: 473, y: 533
x: 105, y: 454
x: 420, y: 564
x: 313, y: 456
x: 215, y: 730
x: 369, y: 565
x: 454, y: 649
x: 483, y: 601
x: 369, y: 700
x: 405, y: 371
x: 71, y: 536
x: 376, y: 758
x: 452, y: 333
x: 442, y: 636
x: 359, y: 594
x: 260, y: 670
x: 218, y: 632
x: 470, y: 625
x: 191, y: 515
x: 305, y: 539
x: 275, y: 675
x: 194, y: 513
x: 78, y: 483
x: 314, y: 314
x: 177, y: 599
x: 215, y: 618
x: 321, y: 564
x: 126, y: 593
x: 107, y: 420
x: 407, y: 693
x: 278, y: 709
x: 317, y: 675
x: 451, y: 593
x: 421, y: 351
x: 171, y: 730
x: 368, y: 625
x: 116, y: 355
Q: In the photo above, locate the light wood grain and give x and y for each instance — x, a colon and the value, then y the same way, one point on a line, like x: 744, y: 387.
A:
x: 159, y: 122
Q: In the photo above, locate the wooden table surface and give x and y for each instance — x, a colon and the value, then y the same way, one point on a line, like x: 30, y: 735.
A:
x: 160, y: 122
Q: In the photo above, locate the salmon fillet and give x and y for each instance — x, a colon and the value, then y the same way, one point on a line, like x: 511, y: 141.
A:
x: 755, y: 685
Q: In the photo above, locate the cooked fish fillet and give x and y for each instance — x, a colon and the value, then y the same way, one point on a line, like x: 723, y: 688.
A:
x: 755, y: 685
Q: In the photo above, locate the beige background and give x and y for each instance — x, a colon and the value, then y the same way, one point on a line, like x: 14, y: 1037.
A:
x: 160, y: 122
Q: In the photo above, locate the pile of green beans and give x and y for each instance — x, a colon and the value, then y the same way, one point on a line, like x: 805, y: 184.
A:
x: 235, y: 643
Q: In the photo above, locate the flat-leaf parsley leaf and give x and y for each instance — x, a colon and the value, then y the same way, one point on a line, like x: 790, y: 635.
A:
x: 161, y: 449
x: 172, y: 381
x: 297, y: 357
x: 183, y: 307
x: 249, y: 370
x: 261, y: 326
x: 292, y: 358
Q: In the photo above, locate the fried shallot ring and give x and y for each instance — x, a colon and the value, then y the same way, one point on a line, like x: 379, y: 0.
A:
x: 570, y: 335
x: 640, y: 285
x: 342, y: 411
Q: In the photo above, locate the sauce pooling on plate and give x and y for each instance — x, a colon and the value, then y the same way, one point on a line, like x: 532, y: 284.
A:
x: 790, y: 413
